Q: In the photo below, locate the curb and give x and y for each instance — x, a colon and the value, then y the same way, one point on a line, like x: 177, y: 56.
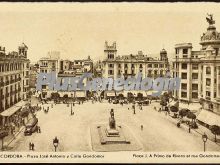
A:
x: 14, y: 137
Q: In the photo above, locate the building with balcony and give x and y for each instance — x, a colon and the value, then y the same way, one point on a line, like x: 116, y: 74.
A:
x: 14, y: 79
x: 115, y: 66
x: 50, y: 63
x: 199, y: 70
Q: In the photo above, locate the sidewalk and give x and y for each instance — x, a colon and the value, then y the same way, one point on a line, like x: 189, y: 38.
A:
x: 199, y: 131
x: 11, y: 137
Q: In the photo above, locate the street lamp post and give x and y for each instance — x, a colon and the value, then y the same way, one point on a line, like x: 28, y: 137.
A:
x: 55, y: 143
x: 71, y: 104
x: 204, y: 138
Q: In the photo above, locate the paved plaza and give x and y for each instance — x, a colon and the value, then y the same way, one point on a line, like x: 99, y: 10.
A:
x: 159, y: 133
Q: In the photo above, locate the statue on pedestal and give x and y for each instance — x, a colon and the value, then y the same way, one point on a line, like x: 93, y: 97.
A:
x: 112, y: 124
x: 210, y: 19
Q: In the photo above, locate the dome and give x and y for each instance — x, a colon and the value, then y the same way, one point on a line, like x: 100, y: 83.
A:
x: 211, y: 34
x: 163, y: 51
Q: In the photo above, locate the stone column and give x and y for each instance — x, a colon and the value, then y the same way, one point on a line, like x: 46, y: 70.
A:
x: 204, y: 82
x: 144, y: 71
x: 115, y: 70
x: 218, y: 82
x: 212, y: 81
x: 189, y: 75
x: 199, y: 80
x: 122, y: 69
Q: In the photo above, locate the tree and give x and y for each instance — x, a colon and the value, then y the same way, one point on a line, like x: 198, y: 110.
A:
x: 65, y: 96
x: 175, y: 110
x: 215, y: 129
x: 121, y: 96
x: 140, y: 96
x: 192, y: 116
x: 130, y: 97
x: 24, y: 112
x: 55, y: 95
x: 166, y: 96
x: 3, y: 134
x: 183, y: 112
x: 163, y: 102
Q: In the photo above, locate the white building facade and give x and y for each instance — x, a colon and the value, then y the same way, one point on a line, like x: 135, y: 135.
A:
x: 199, y: 70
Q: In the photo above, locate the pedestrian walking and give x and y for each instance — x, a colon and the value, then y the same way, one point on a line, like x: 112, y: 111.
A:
x: 140, y: 107
x: 30, y: 146
x: 39, y: 129
x: 142, y: 127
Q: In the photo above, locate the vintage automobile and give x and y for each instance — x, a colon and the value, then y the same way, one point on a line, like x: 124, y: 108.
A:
x: 145, y: 103
x: 116, y: 102
x: 31, y: 126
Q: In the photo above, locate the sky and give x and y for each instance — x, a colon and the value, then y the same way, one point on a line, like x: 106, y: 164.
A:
x: 80, y: 29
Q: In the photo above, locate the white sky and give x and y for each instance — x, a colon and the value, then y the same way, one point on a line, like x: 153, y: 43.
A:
x: 80, y: 29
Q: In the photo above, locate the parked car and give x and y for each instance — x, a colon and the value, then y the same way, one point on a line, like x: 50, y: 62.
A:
x: 115, y: 102
x: 146, y: 102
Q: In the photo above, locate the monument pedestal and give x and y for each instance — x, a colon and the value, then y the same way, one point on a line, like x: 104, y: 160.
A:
x: 112, y: 132
x: 111, y: 136
x: 123, y: 141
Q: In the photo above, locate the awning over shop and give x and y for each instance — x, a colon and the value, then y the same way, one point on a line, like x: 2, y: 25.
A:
x: 209, y: 117
x: 151, y: 92
x: 110, y: 93
x: 80, y: 94
x: 10, y: 111
x: 21, y: 103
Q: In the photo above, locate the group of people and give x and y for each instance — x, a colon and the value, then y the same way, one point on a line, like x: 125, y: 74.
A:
x: 31, y: 146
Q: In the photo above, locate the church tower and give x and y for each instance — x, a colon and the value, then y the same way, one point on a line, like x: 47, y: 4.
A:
x: 163, y: 55
x: 22, y: 50
x: 110, y: 50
